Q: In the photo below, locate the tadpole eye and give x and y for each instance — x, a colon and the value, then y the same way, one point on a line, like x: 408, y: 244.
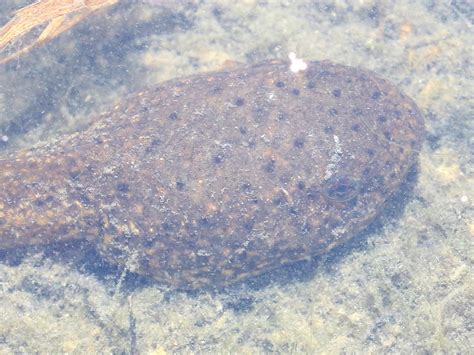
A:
x: 341, y: 188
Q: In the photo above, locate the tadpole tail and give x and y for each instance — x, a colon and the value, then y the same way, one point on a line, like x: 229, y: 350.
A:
x: 35, y: 201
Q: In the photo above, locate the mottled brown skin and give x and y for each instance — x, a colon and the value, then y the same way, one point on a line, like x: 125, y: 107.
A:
x: 206, y: 180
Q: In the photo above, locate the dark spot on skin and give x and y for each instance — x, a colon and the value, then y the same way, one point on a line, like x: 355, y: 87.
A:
x: 401, y: 280
x: 357, y: 112
x: 170, y: 226
x: 324, y: 74
x: 254, y: 200
x: 239, y: 102
x: 39, y: 202
x: 179, y: 185
x: 98, y: 140
x: 212, y: 221
x: 84, y: 199
x: 123, y: 187
x: 246, y: 187
x: 333, y: 112
x: 280, y: 200
x: 311, y: 84
x: 337, y: 92
x: 401, y: 150
x: 298, y: 143
x: 382, y: 119
x: 280, y: 84
x: 340, y: 188
x: 312, y: 194
x: 252, y: 143
x: 243, y: 130
x: 366, y: 172
x: 218, y: 159
x: 173, y: 116
x: 306, y: 228
x: 282, y: 116
x: 413, y: 143
x: 370, y: 152
x: 248, y: 225
x: 260, y: 114
x: 149, y: 242
x: 153, y: 144
x: 397, y: 114
x: 34, y: 184
x: 74, y: 175
x: 376, y: 95
x: 300, y: 185
x: 363, y: 78
x: 293, y: 211
x: 374, y: 13
x: 433, y: 141
x: 328, y: 130
x: 295, y: 92
x: 217, y: 12
x: 355, y: 127
x: 378, y: 180
x: 270, y: 166
x: 387, y: 135
x: 216, y: 90
x: 205, y: 222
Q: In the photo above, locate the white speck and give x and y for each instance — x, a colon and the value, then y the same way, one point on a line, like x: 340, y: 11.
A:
x: 203, y: 252
x: 335, y: 158
x: 297, y: 64
x: 338, y: 232
x: 464, y: 199
x: 4, y: 139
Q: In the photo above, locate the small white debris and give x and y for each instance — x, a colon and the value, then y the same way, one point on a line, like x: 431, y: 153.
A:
x: 4, y: 139
x: 335, y: 158
x: 297, y: 64
x: 338, y: 232
x: 464, y: 199
x: 271, y: 97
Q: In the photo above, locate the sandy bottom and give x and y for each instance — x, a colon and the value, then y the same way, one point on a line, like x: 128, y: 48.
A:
x: 405, y: 286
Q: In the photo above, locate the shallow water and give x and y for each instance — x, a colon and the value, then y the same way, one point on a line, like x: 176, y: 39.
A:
x: 405, y: 285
